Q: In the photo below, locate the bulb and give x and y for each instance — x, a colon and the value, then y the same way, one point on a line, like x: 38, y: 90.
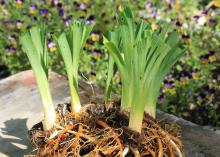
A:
x: 77, y: 108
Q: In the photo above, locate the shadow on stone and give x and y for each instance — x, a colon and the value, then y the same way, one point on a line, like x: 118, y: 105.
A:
x: 14, y: 139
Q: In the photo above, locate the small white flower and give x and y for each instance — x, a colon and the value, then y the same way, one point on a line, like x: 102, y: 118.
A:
x: 158, y: 17
x: 185, y: 25
x: 168, y: 20
x: 202, y: 20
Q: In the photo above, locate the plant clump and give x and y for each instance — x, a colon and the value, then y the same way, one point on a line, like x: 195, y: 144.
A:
x: 143, y: 57
x: 70, y: 45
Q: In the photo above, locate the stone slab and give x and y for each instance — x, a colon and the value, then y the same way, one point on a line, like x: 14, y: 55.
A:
x: 20, y: 108
x: 198, y: 141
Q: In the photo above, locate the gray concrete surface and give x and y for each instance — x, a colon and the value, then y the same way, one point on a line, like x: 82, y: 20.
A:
x: 198, y: 141
x: 20, y: 108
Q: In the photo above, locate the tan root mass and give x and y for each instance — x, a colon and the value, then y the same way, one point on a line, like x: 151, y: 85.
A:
x: 99, y: 133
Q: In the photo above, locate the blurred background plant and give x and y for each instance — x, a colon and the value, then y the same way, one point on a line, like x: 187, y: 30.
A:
x: 191, y: 90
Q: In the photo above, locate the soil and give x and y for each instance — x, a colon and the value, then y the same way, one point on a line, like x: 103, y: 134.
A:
x: 4, y: 71
x: 101, y: 131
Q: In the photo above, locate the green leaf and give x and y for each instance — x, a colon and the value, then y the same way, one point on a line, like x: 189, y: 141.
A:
x: 173, y: 38
x: 108, y: 87
x: 34, y: 44
x: 70, y: 45
x: 86, y: 31
x: 113, y: 50
x: 66, y: 54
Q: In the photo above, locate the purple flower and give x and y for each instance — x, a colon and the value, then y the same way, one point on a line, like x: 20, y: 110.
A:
x: 82, y: 6
x: 75, y: 4
x: 148, y: 5
x: 53, y: 2
x: 169, y: 76
x: 29, y: 26
x: 202, y: 95
x: 88, y: 22
x: 10, y: 48
x: 19, y: 1
x: 96, y: 55
x: 3, y: 2
x: 161, y: 97
x: 12, y: 37
x: 196, y: 17
x: 61, y: 12
x: 51, y: 44
x: 33, y: 6
x: 154, y: 13
x: 208, y: 90
x: 45, y: 19
x: 211, y: 52
x: 32, y: 9
x: 178, y: 23
x: 8, y: 22
x: 44, y: 12
x: 66, y: 22
x: 212, y: 22
x: 19, y: 24
x: 186, y: 36
x: 168, y: 84
x: 59, y: 5
x: 34, y: 18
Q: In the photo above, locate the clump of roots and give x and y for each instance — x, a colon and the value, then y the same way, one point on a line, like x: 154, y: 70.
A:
x: 96, y: 132
x: 160, y: 142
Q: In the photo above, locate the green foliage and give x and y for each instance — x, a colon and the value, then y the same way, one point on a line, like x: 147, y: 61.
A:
x: 34, y: 44
x: 143, y: 58
x: 70, y: 45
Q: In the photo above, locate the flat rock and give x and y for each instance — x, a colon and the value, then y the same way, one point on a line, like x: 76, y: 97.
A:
x: 198, y: 141
x: 20, y: 109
